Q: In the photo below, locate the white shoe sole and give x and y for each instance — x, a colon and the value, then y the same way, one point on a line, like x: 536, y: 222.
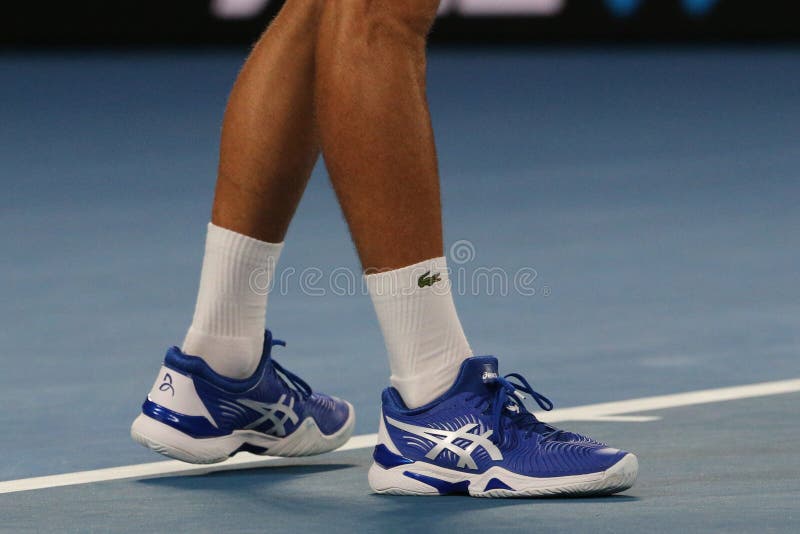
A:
x: 394, y: 481
x: 306, y: 440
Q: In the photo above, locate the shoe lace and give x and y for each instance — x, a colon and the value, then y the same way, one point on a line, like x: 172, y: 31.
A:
x: 508, y: 403
x: 284, y: 375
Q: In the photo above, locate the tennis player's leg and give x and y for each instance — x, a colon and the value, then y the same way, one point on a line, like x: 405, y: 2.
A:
x: 268, y: 149
x: 380, y: 153
x: 222, y: 392
x: 450, y: 423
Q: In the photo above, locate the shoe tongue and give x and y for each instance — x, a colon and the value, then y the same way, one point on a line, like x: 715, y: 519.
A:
x: 475, y: 373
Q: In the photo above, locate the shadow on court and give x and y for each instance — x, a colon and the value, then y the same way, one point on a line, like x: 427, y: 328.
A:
x: 243, y: 478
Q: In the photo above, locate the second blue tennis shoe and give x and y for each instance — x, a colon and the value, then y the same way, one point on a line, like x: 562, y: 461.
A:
x: 480, y: 439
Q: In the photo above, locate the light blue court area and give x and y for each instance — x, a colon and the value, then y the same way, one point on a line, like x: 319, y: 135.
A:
x: 627, y: 226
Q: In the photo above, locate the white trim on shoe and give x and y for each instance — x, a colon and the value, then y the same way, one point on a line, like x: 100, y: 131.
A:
x: 306, y: 440
x: 176, y: 392
x: 395, y: 481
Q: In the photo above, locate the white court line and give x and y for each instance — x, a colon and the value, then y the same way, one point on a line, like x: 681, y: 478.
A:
x: 603, y: 411
x: 607, y: 411
x: 617, y: 418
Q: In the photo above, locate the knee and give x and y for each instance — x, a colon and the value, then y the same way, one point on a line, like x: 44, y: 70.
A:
x: 376, y: 19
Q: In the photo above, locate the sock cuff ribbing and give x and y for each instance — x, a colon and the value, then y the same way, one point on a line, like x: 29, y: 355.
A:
x: 245, y: 248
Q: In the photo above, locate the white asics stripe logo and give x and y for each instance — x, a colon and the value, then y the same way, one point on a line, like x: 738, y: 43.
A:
x: 444, y: 439
x: 268, y: 413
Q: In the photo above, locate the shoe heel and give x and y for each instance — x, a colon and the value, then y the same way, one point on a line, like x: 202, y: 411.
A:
x: 171, y: 442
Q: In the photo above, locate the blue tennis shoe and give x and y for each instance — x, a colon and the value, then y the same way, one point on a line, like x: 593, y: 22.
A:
x: 196, y: 415
x: 480, y: 439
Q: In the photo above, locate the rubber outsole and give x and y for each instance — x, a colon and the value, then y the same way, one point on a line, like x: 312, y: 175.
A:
x: 409, y: 480
x: 306, y: 440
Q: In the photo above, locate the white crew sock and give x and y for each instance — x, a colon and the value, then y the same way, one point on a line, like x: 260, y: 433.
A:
x: 229, y: 319
x: 423, y: 335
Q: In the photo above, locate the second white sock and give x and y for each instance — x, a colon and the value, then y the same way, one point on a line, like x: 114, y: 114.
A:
x: 420, y: 326
x: 229, y: 318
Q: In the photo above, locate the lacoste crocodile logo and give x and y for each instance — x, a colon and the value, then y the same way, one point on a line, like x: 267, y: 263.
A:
x: 428, y: 279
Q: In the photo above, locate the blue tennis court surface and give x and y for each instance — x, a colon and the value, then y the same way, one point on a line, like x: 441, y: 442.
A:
x: 654, y: 194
